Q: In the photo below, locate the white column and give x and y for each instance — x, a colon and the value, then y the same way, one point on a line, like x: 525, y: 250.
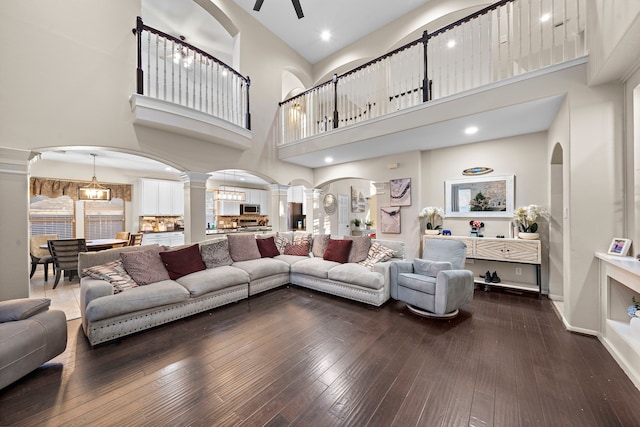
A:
x: 195, y: 222
x: 312, y: 202
x: 14, y: 211
x: 278, y: 211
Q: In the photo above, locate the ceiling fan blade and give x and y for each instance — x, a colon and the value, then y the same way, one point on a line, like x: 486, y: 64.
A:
x: 258, y: 5
x: 298, y: 8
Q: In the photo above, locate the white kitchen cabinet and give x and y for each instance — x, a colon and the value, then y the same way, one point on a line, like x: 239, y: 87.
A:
x: 264, y: 202
x: 159, y: 197
x: 174, y: 238
x: 295, y: 194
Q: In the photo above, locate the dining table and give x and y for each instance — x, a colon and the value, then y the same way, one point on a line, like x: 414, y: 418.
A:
x: 100, y: 244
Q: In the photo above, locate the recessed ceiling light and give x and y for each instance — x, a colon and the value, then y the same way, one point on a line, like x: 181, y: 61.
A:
x: 325, y: 35
x: 328, y: 159
x: 471, y: 130
x: 451, y: 43
x: 545, y: 17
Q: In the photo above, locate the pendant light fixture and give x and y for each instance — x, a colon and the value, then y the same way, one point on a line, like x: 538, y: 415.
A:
x: 94, y: 191
x: 227, y: 195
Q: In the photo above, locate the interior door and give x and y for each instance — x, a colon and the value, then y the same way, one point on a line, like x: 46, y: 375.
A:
x: 343, y: 215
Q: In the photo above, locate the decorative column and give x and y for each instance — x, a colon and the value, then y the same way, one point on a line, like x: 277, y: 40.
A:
x: 195, y: 222
x: 14, y: 251
x: 278, y: 208
x: 312, y: 201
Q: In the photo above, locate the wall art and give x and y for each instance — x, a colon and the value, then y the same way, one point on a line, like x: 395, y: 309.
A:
x: 480, y: 197
x: 400, y: 192
x: 390, y: 219
x: 357, y: 200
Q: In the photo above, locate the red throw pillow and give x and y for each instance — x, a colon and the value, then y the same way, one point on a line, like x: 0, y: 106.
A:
x: 267, y: 247
x: 338, y: 250
x: 182, y: 261
x: 300, y: 249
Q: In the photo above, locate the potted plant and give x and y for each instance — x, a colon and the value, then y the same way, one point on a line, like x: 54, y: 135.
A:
x: 368, y: 223
x: 525, y: 217
x: 356, y: 223
x: 433, y: 216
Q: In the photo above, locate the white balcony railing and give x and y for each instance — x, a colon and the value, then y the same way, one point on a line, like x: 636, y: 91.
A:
x: 508, y: 38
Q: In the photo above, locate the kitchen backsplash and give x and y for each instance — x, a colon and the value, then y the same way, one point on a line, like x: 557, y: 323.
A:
x: 161, y: 223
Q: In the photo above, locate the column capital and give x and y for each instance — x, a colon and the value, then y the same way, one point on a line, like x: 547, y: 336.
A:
x: 194, y: 177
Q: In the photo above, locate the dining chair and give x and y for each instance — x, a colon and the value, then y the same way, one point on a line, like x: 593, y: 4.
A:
x: 122, y: 235
x: 65, y: 256
x: 135, y: 239
x: 40, y: 255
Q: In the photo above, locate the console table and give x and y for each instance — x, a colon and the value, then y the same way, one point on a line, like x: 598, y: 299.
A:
x: 503, y: 250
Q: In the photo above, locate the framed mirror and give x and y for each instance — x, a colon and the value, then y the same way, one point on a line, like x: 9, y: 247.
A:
x: 489, y: 196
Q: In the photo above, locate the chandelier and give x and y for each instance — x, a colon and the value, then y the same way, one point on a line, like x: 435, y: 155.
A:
x: 228, y: 195
x: 94, y: 191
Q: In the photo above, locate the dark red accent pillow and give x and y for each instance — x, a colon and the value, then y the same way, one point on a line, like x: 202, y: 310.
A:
x: 300, y: 249
x: 267, y: 247
x: 181, y: 262
x: 338, y: 250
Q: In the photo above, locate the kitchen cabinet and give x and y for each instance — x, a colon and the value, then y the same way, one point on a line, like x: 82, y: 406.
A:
x: 159, y: 197
x: 295, y: 194
x: 172, y: 238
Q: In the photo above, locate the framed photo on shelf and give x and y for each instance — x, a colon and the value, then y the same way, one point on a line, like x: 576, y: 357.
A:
x: 619, y: 246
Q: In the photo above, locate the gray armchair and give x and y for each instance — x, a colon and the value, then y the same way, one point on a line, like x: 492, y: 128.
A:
x: 435, y: 285
x: 30, y: 335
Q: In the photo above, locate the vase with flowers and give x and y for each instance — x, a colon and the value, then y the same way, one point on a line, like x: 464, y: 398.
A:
x: 434, y: 217
x: 525, y: 217
x: 476, y: 228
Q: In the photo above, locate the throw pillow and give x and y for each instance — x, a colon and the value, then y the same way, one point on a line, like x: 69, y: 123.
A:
x: 216, y: 253
x: 377, y: 253
x: 145, y: 266
x: 281, y: 241
x: 338, y: 250
x: 300, y: 249
x: 114, y: 273
x: 430, y: 268
x: 243, y: 247
x: 181, y: 262
x: 360, y: 248
x: 320, y: 244
x: 267, y: 247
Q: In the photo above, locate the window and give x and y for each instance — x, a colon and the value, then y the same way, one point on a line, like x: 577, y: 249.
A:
x: 102, y: 220
x: 52, y: 216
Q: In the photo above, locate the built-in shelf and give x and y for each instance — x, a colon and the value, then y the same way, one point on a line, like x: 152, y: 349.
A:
x: 619, y: 283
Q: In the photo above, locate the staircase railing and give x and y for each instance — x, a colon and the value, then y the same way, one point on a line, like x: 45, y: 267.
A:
x: 505, y: 39
x: 172, y: 70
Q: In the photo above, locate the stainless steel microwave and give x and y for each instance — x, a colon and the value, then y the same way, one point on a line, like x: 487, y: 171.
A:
x: 246, y: 209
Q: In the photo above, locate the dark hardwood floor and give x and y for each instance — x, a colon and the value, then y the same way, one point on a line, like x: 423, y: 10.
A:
x: 296, y: 357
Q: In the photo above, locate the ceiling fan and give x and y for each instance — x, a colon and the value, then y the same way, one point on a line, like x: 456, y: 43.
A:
x: 296, y: 6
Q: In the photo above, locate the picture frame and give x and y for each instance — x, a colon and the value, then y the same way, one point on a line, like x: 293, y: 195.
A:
x: 485, y: 196
x: 619, y: 246
x: 357, y: 201
x: 390, y: 219
x: 400, y: 192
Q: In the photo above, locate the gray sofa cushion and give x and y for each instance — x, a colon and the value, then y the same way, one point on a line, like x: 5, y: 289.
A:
x: 213, y: 279
x: 215, y: 253
x: 430, y: 268
x: 145, y: 266
x: 356, y: 274
x: 141, y: 298
x: 262, y: 267
x: 243, y: 247
x: 359, y: 248
x: 22, y: 308
x: 316, y: 267
x: 290, y: 259
x: 417, y: 282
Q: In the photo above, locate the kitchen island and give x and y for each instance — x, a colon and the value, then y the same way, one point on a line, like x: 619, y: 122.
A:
x: 254, y: 230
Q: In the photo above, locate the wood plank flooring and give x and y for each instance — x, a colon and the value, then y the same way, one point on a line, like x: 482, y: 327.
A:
x: 297, y: 357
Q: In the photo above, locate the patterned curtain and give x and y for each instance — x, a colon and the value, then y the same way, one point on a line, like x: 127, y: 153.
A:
x: 56, y: 187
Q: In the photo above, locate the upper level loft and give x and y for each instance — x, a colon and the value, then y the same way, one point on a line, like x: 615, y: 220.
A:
x: 183, y: 89
x: 351, y: 116
x: 416, y: 90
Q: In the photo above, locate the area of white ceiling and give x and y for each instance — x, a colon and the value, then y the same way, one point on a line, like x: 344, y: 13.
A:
x: 347, y: 21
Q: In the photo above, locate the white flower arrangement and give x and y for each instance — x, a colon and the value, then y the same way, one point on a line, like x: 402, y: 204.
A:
x: 432, y: 213
x: 526, y: 216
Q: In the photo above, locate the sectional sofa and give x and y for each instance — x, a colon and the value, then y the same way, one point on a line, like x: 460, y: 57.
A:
x: 129, y: 289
